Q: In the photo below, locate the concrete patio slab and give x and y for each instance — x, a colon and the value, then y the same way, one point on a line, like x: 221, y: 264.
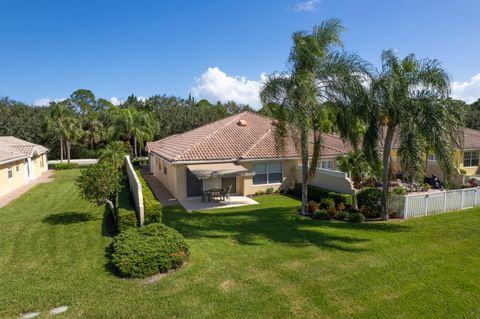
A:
x: 192, y: 204
x: 7, y: 198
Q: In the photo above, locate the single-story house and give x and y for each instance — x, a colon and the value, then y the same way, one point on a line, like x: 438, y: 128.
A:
x: 466, y: 157
x: 20, y: 162
x: 238, y: 151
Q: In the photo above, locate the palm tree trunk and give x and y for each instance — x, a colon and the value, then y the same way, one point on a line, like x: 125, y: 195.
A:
x: 387, y: 147
x: 135, y: 146
x: 68, y: 152
x: 304, y: 146
x: 61, y: 149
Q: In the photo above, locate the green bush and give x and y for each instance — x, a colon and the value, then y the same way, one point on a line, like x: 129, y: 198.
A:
x: 139, y: 162
x: 371, y: 199
x: 400, y: 191
x: 126, y: 215
x: 63, y: 166
x: 327, y: 203
x: 257, y: 193
x: 357, y: 218
x: 152, y: 207
x: 147, y: 250
x: 317, y: 194
x: 322, y: 214
x: 342, y: 215
x: 269, y: 190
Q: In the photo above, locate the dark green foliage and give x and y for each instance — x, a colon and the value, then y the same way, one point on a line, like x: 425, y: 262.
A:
x: 399, y: 191
x: 322, y: 214
x: 370, y: 200
x: 62, y: 166
x: 126, y: 216
x: 317, y: 194
x: 147, y: 250
x: 98, y: 183
x: 327, y: 203
x: 152, y: 207
x: 139, y: 162
x: 342, y: 215
x: 357, y: 218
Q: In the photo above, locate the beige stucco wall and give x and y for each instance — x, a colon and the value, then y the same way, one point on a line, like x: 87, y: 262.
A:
x: 18, y: 179
x: 40, y: 163
x: 168, y: 180
x: 288, y: 178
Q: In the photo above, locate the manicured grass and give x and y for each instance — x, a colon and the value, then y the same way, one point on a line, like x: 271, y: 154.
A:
x: 252, y: 262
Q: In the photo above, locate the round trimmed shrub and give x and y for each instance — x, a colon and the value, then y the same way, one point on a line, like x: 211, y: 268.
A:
x: 147, y: 250
x: 370, y: 199
x: 342, y: 215
x: 321, y: 214
x: 357, y: 218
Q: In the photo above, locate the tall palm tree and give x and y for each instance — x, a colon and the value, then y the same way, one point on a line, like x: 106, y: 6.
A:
x: 319, y: 72
x: 72, y: 134
x: 406, y: 101
x: 58, y: 118
x: 113, y: 155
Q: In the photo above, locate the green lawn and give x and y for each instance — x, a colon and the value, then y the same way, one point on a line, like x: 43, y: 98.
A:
x: 254, y: 262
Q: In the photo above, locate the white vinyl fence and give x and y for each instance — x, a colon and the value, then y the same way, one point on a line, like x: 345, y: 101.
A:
x: 135, y: 189
x: 434, y: 203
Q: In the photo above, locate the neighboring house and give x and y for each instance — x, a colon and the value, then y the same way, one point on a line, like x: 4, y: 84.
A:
x: 238, y: 151
x: 466, y: 157
x: 20, y: 162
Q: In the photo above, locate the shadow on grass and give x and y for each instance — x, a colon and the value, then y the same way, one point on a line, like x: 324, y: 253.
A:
x: 254, y: 225
x: 68, y: 218
x: 109, y: 229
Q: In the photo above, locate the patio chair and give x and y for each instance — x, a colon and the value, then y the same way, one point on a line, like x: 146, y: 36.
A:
x: 206, y: 195
x: 226, y: 193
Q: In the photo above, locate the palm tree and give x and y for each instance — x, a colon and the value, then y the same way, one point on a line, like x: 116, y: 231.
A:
x: 355, y: 165
x: 318, y: 73
x: 58, y: 117
x: 94, y: 132
x: 72, y: 134
x: 406, y: 101
x: 113, y: 155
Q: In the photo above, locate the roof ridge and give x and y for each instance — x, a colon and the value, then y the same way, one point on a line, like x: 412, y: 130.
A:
x: 207, y: 137
x: 256, y: 143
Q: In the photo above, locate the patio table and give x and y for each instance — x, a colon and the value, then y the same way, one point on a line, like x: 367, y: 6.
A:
x: 217, y: 193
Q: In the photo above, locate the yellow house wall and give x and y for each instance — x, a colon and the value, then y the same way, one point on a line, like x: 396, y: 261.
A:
x: 18, y: 179
x: 40, y: 163
x: 288, y: 178
x: 459, y: 160
x: 168, y: 180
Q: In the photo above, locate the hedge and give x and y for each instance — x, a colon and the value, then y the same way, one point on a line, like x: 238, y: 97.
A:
x: 152, y: 207
x: 370, y: 201
x: 148, y: 250
x: 62, y: 166
x: 317, y: 194
x: 126, y: 215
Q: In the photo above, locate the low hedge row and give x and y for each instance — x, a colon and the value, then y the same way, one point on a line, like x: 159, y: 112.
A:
x: 62, y: 166
x: 318, y: 194
x: 152, y: 207
x: 126, y: 215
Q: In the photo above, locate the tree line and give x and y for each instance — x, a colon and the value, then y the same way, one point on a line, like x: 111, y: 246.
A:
x: 82, y: 125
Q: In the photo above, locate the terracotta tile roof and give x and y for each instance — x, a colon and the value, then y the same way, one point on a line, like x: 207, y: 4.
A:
x: 471, y: 139
x: 12, y: 148
x: 228, y: 139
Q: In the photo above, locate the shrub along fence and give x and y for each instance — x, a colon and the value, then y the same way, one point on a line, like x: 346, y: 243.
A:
x: 435, y: 203
x: 135, y: 189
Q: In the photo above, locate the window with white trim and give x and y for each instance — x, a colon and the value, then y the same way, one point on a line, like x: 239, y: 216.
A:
x: 268, y: 172
x: 10, y: 171
x: 470, y: 159
x: 326, y: 164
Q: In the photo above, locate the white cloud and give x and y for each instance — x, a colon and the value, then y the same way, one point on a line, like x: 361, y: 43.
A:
x: 215, y: 85
x: 308, y: 6
x: 469, y: 91
x: 45, y: 101
x: 115, y: 101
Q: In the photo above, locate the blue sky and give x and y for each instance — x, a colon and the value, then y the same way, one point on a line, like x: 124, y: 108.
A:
x: 213, y: 49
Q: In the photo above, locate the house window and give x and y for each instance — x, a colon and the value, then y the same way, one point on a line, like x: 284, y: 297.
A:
x: 41, y: 161
x: 267, y: 172
x: 470, y: 159
x: 326, y: 164
x: 164, y: 169
x: 160, y: 165
x: 432, y: 157
x: 17, y: 168
x: 10, y: 171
